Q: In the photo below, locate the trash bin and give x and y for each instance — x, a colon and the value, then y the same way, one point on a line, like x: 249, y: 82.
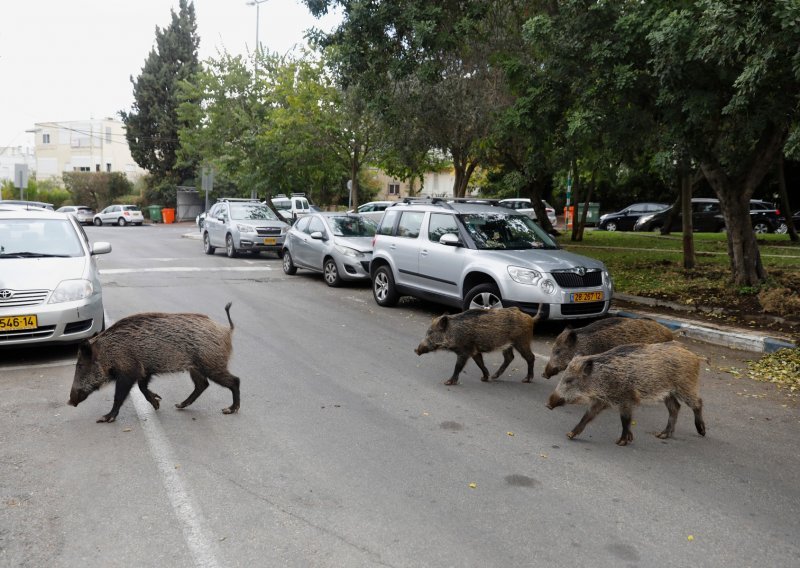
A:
x: 168, y: 214
x: 592, y: 214
x: 155, y: 213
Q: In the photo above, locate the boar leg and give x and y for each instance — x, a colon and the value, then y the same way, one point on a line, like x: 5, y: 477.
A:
x: 626, y: 416
x: 594, y: 409
x: 200, y: 384
x: 696, y: 404
x: 527, y: 354
x: 508, y: 356
x: 151, y: 397
x: 123, y: 387
x: 673, y: 406
x: 232, y: 382
x: 478, y: 358
x: 461, y: 360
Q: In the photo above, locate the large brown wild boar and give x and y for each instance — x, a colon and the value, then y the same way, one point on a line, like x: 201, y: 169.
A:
x: 600, y: 336
x: 627, y: 375
x: 473, y: 332
x: 146, y: 344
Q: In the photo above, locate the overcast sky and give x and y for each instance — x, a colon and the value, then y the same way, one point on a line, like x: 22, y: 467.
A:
x: 63, y: 60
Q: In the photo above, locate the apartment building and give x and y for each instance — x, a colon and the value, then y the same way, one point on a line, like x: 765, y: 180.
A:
x: 434, y: 184
x: 94, y: 145
x: 13, y: 155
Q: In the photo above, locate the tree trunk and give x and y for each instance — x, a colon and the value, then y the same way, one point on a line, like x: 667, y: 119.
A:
x: 533, y: 190
x: 576, y: 194
x: 354, y: 167
x: 686, y: 213
x: 587, y: 199
x: 785, y: 206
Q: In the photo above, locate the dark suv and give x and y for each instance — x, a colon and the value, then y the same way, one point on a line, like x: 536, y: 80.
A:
x: 470, y: 255
x: 707, y: 217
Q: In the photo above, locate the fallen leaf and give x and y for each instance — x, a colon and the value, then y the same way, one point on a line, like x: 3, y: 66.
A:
x: 473, y: 485
x: 690, y: 538
x: 510, y: 433
x: 126, y: 429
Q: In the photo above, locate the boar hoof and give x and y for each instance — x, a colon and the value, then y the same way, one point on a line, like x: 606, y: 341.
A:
x: 663, y: 435
x: 107, y: 418
x: 451, y: 382
x: 230, y: 410
x: 571, y: 435
x: 487, y: 378
x: 625, y: 439
x: 527, y: 379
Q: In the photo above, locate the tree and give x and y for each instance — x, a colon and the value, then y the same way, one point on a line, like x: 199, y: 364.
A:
x: 152, y: 124
x: 96, y: 189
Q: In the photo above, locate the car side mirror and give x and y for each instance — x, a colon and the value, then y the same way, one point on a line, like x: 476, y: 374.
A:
x: 317, y: 235
x: 101, y: 248
x: 450, y: 239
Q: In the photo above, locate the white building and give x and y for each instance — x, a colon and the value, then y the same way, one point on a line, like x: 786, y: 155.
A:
x: 95, y: 145
x: 12, y: 155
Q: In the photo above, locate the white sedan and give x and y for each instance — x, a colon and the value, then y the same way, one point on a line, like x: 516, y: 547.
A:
x: 119, y: 214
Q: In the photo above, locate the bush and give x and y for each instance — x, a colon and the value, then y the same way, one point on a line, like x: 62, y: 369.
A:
x: 780, y: 301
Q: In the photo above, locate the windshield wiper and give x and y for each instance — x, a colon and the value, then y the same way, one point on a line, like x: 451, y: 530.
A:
x: 27, y: 254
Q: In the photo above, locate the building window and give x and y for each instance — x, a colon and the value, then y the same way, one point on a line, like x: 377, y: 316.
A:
x: 108, y: 167
x: 108, y: 135
x: 82, y: 169
x: 97, y: 167
x: 46, y: 138
x: 394, y: 189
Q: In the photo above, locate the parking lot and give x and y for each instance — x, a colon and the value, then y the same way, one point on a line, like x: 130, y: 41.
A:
x: 349, y: 450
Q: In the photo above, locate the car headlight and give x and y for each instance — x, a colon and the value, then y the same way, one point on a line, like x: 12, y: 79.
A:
x: 71, y: 291
x: 347, y: 251
x: 284, y: 229
x: 548, y: 286
x: 607, y: 278
x: 245, y: 228
x: 524, y: 275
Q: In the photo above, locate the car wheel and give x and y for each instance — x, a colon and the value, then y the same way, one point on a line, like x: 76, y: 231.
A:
x: 611, y: 226
x: 782, y: 229
x: 331, y: 273
x: 97, y: 221
x: 383, y: 287
x: 483, y: 296
x: 122, y: 222
x: 207, y: 248
x: 288, y: 264
x: 760, y: 228
x: 230, y: 250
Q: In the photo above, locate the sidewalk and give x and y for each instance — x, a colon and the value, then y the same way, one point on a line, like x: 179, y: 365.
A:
x: 733, y: 338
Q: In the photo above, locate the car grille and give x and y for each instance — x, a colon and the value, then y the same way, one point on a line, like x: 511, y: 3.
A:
x: 38, y: 333
x: 574, y: 280
x: 582, y: 309
x: 21, y: 298
x: 78, y: 326
x: 268, y: 231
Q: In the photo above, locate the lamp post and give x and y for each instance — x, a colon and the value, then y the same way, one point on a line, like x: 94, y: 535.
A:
x: 257, y: 4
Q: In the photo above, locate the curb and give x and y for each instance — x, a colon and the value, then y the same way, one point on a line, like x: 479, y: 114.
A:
x: 733, y: 339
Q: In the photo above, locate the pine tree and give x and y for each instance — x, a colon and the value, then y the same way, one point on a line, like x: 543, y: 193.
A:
x: 152, y: 124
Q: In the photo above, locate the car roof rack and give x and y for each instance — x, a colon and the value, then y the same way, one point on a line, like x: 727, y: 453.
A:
x: 237, y: 199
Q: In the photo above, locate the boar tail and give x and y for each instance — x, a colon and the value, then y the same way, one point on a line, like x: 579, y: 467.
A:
x: 539, y: 314
x: 228, y: 311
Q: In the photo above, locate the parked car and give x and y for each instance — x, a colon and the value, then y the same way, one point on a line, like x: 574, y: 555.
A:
x: 339, y: 245
x: 25, y: 203
x: 243, y: 225
x: 50, y: 288
x: 625, y: 220
x: 373, y: 209
x: 292, y: 207
x: 200, y: 219
x: 707, y: 217
x: 523, y: 205
x: 120, y: 214
x: 469, y: 255
x: 84, y: 215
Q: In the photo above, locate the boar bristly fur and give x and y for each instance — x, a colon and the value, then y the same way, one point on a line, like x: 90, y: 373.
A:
x: 142, y: 345
x: 627, y: 375
x: 473, y: 332
x: 600, y: 336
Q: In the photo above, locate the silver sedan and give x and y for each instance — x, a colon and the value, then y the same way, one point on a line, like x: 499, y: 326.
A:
x: 49, y: 282
x: 339, y: 245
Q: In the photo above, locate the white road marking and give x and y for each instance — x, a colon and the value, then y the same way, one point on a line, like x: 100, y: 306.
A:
x: 64, y: 363
x: 186, y: 269
x: 201, y: 545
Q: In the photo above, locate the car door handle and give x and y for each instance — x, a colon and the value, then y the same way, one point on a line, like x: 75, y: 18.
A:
x: 423, y: 252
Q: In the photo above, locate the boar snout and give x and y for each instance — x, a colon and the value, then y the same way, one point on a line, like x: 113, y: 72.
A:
x: 555, y: 401
x: 422, y: 348
x: 549, y: 371
x: 76, y: 397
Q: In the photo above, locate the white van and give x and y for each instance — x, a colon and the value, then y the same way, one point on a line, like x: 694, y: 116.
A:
x: 291, y: 207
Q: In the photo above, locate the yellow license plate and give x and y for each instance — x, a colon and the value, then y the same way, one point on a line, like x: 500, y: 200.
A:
x: 270, y: 241
x: 578, y: 297
x: 18, y: 322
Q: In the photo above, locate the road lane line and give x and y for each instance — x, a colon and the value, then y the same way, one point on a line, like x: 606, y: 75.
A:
x: 201, y: 545
x: 187, y: 269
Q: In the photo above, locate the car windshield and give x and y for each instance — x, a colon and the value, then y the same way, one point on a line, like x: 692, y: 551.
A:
x: 130, y: 208
x: 352, y: 226
x: 508, y: 232
x: 283, y: 205
x: 251, y: 212
x: 36, y: 238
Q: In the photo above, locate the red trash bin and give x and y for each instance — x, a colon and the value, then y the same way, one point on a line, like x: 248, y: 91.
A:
x: 168, y: 215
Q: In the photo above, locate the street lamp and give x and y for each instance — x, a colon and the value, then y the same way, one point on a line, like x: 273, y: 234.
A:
x: 257, y: 4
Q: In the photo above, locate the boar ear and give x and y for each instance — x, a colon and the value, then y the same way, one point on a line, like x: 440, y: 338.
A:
x: 441, y: 322
x: 571, y: 337
x: 86, y: 350
x: 586, y: 368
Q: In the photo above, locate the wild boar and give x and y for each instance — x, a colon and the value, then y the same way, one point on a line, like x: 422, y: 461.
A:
x: 627, y: 375
x: 473, y: 332
x: 601, y: 336
x: 146, y: 344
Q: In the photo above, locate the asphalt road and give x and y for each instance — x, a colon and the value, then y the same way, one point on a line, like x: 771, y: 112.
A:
x: 349, y: 451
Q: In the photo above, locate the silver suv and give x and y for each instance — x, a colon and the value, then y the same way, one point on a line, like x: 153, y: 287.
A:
x: 243, y: 225
x: 467, y: 255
